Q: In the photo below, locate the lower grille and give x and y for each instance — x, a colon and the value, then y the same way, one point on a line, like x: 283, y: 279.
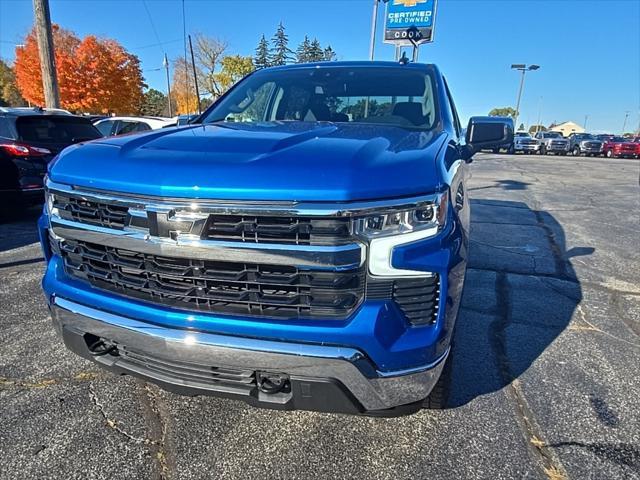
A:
x: 216, y: 287
x: 190, y: 373
x: 417, y: 298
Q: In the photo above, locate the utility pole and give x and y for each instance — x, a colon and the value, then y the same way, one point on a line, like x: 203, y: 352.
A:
x: 47, y: 56
x: 524, y: 69
x: 195, y: 77
x: 586, y: 118
x: 626, y: 117
x: 165, y: 64
x: 186, y: 62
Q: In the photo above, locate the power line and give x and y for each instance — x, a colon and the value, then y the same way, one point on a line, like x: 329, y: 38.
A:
x: 156, y: 44
x: 153, y: 26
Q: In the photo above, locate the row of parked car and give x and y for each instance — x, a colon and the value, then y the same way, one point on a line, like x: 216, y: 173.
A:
x: 31, y: 137
x: 576, y: 144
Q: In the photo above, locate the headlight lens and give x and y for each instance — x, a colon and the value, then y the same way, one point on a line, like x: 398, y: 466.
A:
x: 48, y: 202
x: 424, y: 216
x: 385, y: 231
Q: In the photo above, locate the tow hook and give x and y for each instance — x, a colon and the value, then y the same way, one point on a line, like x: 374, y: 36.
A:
x: 101, y: 347
x: 272, y: 383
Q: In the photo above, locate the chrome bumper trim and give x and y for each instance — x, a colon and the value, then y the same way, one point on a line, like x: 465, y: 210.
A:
x: 374, y: 390
x: 335, y: 258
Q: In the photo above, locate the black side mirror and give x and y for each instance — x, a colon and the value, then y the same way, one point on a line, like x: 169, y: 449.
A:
x: 488, y: 132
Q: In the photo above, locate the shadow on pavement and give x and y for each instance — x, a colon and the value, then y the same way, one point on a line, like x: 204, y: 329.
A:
x: 19, y: 228
x: 521, y: 292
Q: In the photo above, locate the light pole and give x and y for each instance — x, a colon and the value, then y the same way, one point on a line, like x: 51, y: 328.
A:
x: 374, y: 25
x: 626, y: 117
x: 539, y: 114
x: 586, y: 117
x: 524, y: 69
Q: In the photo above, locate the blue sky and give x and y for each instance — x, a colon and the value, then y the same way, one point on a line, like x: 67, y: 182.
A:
x: 589, y: 51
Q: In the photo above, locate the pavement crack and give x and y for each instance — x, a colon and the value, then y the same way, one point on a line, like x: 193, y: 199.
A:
x: 113, y: 424
x: 155, y: 414
x: 551, y: 466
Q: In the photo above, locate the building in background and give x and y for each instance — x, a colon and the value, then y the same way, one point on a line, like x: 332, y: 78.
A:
x: 566, y: 128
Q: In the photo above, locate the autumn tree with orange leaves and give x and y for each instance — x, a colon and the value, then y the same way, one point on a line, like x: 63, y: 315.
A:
x: 94, y: 74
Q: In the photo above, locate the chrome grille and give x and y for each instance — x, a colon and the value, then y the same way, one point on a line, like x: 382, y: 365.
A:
x: 90, y: 212
x: 272, y: 229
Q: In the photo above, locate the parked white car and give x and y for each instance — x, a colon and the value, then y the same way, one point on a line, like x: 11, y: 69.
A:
x: 123, y: 125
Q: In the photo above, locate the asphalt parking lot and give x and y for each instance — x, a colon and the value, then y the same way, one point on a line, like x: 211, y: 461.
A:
x: 546, y: 362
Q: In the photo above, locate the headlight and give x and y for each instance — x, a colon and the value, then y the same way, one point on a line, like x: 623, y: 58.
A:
x: 424, y: 216
x: 48, y: 202
x: 387, y: 230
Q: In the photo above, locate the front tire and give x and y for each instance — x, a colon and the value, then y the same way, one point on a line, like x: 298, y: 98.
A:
x: 609, y: 154
x: 576, y: 152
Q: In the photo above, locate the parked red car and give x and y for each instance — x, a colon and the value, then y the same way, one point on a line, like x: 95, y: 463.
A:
x: 620, y: 147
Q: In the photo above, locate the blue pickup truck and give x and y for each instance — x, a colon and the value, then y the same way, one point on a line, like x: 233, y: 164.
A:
x: 302, y: 245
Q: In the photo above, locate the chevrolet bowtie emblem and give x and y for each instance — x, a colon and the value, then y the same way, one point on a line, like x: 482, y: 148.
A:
x: 169, y: 224
x: 408, y: 3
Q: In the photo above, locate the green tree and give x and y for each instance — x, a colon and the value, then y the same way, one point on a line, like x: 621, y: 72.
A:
x: 503, y: 112
x: 537, y: 128
x: 302, y: 53
x: 154, y: 103
x: 316, y: 53
x: 261, y: 60
x: 329, y: 54
x: 281, y: 53
x: 9, y: 93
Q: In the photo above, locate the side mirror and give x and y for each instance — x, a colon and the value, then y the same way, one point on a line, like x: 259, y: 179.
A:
x: 488, y: 132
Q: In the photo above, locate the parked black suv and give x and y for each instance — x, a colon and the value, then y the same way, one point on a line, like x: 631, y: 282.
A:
x: 29, y: 139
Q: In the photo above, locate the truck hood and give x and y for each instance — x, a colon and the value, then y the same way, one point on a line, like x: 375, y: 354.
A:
x: 283, y: 161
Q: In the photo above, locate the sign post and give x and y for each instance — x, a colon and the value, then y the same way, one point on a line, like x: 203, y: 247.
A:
x: 410, y: 23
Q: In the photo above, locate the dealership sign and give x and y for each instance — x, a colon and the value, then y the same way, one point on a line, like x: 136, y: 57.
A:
x: 410, y: 22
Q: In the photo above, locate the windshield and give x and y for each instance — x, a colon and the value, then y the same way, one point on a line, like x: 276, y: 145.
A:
x: 552, y: 135
x: 522, y: 134
x: 619, y: 139
x: 380, y: 95
x: 585, y: 136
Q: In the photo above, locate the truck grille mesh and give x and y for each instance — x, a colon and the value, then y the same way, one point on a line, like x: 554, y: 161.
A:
x: 90, y: 212
x: 216, y: 287
x: 271, y: 229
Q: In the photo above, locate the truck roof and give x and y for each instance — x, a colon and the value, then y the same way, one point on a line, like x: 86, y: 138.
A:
x: 351, y: 63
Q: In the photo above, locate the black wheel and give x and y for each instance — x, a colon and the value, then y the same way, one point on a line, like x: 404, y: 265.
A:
x: 576, y: 151
x: 511, y: 150
x: 609, y: 153
x: 496, y: 150
x: 543, y: 150
x: 439, y: 396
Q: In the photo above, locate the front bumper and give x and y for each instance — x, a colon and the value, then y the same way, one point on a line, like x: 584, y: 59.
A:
x: 558, y: 148
x: 321, y: 378
x: 526, y: 148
